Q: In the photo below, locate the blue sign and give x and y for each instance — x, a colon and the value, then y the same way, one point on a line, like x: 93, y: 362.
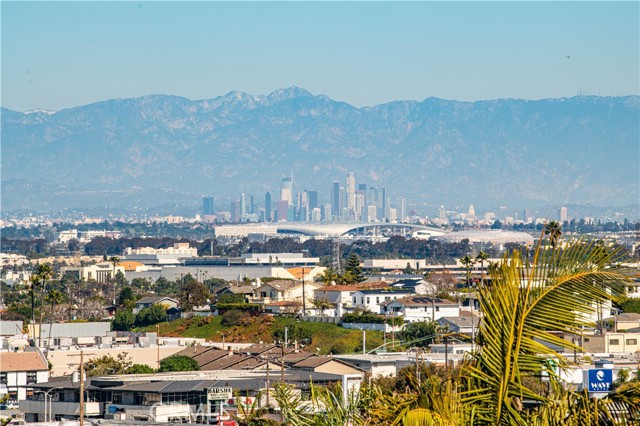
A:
x: 113, y: 409
x: 600, y: 379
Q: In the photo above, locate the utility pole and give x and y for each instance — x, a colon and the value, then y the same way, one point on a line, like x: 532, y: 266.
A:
x: 81, y: 423
x: 158, y: 345
x: 304, y: 300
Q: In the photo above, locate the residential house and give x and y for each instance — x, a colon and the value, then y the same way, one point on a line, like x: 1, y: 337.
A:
x: 148, y: 301
x: 374, y: 299
x: 421, y: 308
x: 418, y: 285
x: 343, y: 294
x: 284, y: 290
x: 19, y: 370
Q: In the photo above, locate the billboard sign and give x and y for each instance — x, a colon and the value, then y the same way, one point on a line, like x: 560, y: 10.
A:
x: 600, y: 380
x: 219, y: 394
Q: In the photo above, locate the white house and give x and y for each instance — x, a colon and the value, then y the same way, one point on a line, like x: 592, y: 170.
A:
x: 20, y: 369
x: 281, y: 290
x: 373, y: 299
x: 421, y: 308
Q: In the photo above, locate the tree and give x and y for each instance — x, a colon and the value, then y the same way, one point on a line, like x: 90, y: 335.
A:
x: 554, y: 230
x: 114, y: 261
x: 353, y: 267
x: 139, y: 369
x: 126, y: 294
x: 420, y: 333
x: 321, y: 303
x: 107, y: 365
x: 193, y: 293
x: 34, y: 281
x: 124, y: 320
x: 44, y: 273
x: 441, y: 284
x: 54, y: 297
x: 329, y: 275
x: 482, y: 257
x: 178, y: 363
x: 468, y: 263
x: 152, y: 315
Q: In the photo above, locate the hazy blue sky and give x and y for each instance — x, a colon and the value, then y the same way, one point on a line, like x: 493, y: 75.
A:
x: 62, y: 54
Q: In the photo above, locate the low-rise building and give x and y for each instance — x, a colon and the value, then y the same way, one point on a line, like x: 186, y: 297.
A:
x: 149, y: 301
x: 20, y: 370
x: 374, y: 299
x: 421, y: 308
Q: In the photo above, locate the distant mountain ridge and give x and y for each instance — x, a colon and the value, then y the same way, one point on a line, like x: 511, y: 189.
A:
x: 159, y: 148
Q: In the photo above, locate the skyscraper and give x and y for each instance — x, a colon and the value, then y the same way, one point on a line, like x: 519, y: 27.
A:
x: 286, y: 190
x: 336, y: 205
x: 267, y: 207
x: 563, y: 214
x: 351, y: 192
x: 207, y: 206
x: 402, y: 209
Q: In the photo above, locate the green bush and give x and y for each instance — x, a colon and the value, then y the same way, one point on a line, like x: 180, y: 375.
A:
x: 139, y: 369
x: 364, y: 318
x: 235, y: 317
x: 178, y: 363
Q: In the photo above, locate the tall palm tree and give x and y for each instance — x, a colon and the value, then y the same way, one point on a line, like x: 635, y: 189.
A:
x: 468, y: 264
x: 114, y: 261
x: 54, y: 297
x: 34, y: 280
x: 481, y: 257
x: 44, y: 273
x: 554, y: 230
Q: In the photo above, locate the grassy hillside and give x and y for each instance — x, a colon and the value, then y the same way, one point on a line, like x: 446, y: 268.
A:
x: 323, y: 338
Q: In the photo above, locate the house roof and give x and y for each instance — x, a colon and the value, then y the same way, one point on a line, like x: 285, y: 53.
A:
x: 423, y: 301
x: 299, y: 271
x: 462, y: 321
x: 281, y: 285
x: 22, y: 361
x: 627, y: 316
x: 154, y: 299
x: 129, y: 265
x: 358, y: 287
x: 387, y: 291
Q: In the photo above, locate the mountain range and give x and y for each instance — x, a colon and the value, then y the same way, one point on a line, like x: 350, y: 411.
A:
x: 159, y: 149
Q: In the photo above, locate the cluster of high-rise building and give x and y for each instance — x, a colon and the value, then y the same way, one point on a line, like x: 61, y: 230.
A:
x: 348, y: 201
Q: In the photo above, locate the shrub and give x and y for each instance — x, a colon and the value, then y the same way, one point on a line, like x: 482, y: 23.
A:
x: 178, y: 363
x: 234, y: 317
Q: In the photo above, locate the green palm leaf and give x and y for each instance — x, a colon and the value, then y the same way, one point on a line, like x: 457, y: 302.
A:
x: 525, y: 302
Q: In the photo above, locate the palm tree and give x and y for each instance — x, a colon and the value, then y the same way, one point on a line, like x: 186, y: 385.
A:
x: 114, y: 261
x: 519, y: 310
x: 329, y: 275
x: 44, y: 273
x: 468, y: 264
x: 481, y: 257
x: 554, y: 230
x: 34, y: 280
x: 54, y: 297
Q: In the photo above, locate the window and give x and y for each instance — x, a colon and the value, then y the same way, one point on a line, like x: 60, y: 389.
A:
x: 354, y: 299
x: 117, y: 398
x: 368, y: 300
x: 377, y: 299
x: 32, y: 377
x: 362, y: 300
x: 632, y: 341
x: 614, y: 342
x: 3, y: 378
x: 437, y: 308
